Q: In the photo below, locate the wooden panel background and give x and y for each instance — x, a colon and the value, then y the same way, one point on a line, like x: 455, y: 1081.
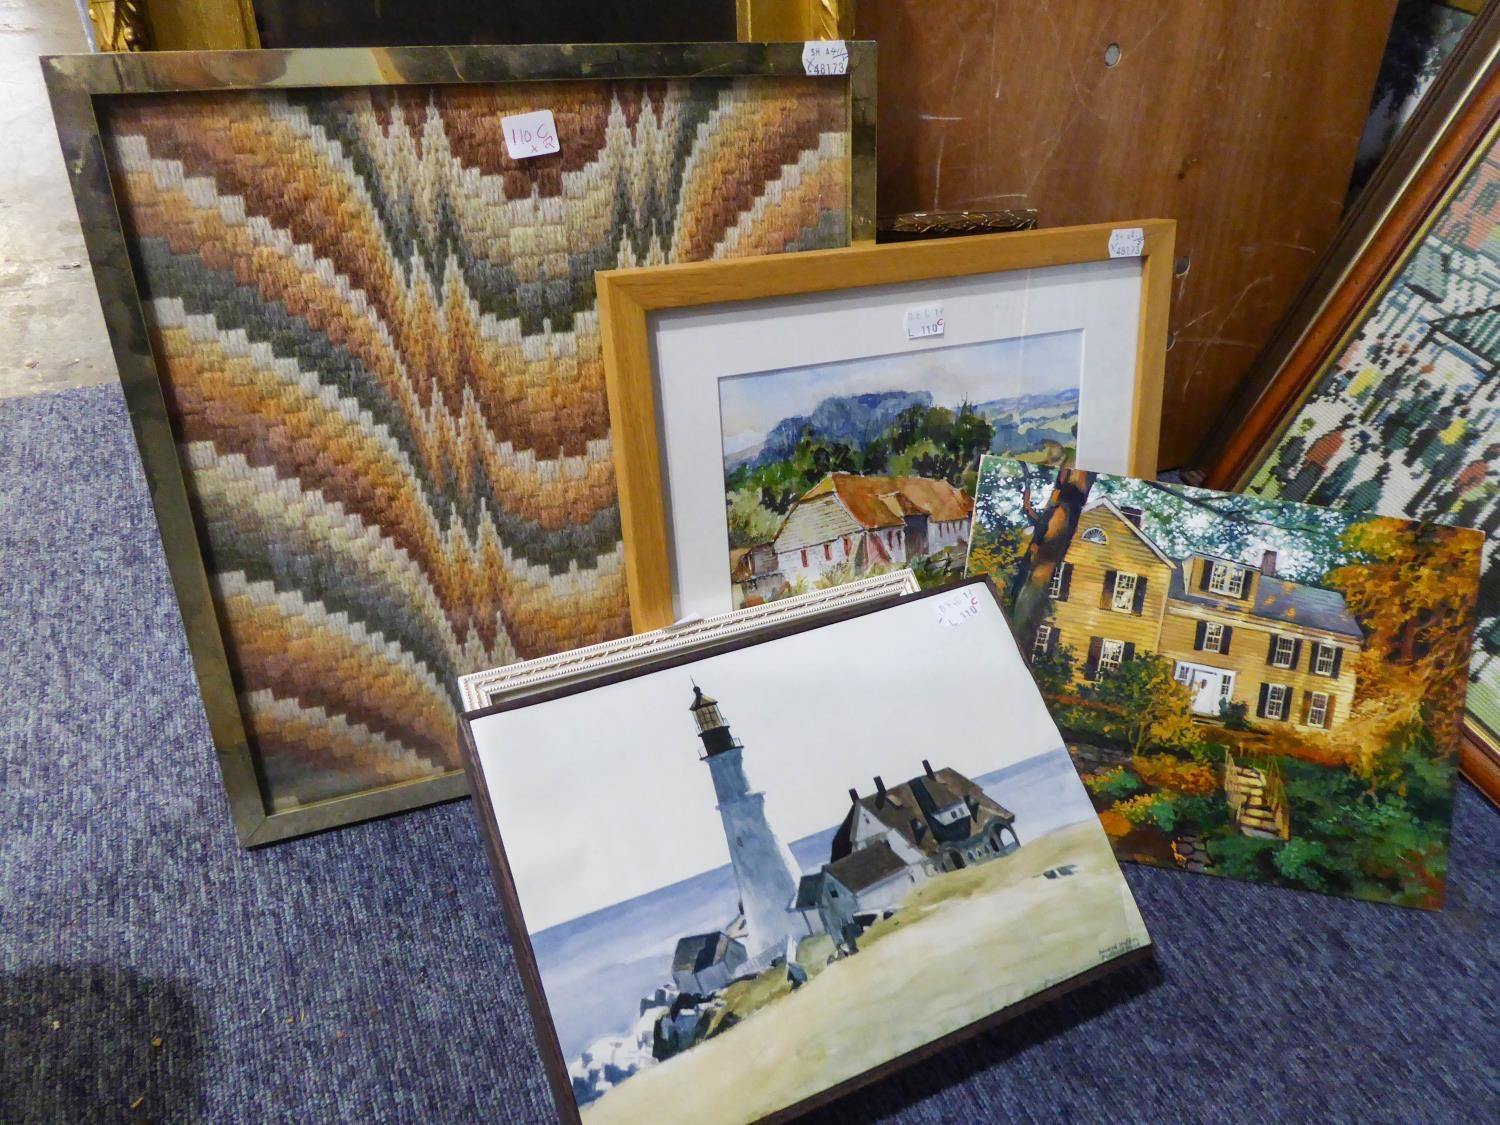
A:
x: 1239, y: 120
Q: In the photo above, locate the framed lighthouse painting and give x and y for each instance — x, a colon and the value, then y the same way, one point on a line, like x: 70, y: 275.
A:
x: 772, y: 882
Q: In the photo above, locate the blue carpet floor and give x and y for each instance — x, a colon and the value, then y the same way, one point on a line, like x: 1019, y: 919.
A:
x: 152, y: 970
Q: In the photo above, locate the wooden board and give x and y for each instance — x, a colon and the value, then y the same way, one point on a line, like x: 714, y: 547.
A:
x: 1238, y: 120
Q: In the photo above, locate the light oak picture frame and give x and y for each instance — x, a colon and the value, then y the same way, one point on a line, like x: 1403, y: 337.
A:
x: 632, y: 302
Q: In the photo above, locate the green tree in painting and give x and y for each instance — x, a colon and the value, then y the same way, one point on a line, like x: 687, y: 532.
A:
x: 1143, y: 706
x: 995, y: 550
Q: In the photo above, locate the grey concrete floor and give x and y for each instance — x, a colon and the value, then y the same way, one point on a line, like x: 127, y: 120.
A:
x: 51, y: 330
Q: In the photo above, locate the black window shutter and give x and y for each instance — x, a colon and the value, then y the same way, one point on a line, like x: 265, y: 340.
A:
x: 1107, y: 596
x: 1067, y: 581
x: 1328, y: 713
x: 1306, y: 705
x: 1338, y: 661
x: 1271, y: 651
x: 1091, y: 669
x: 1140, y: 596
x: 1208, y: 571
x: 1296, y: 653
x: 1224, y: 644
x: 1198, y: 635
x: 1260, y: 706
x: 1052, y: 640
x: 1129, y: 654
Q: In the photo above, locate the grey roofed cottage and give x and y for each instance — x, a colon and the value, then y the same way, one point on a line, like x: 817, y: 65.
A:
x: 705, y: 963
x: 939, y: 818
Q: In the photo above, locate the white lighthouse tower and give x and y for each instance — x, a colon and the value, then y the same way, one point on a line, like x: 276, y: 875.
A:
x: 763, y: 866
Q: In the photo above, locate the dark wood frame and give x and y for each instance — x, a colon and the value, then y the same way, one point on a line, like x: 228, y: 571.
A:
x: 1453, y: 127
x: 79, y: 85
x: 551, y: 1049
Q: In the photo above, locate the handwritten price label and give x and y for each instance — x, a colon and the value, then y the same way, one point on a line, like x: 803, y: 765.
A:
x: 1127, y: 242
x: 958, y: 608
x: 825, y: 56
x: 530, y: 134
x: 923, y: 322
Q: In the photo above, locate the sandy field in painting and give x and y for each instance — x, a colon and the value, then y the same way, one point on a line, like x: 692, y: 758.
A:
x: 967, y: 944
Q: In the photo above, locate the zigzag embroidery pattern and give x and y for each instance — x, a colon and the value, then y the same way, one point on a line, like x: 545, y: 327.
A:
x: 378, y: 337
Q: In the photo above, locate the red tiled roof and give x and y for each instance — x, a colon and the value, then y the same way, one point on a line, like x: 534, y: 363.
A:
x: 883, y: 501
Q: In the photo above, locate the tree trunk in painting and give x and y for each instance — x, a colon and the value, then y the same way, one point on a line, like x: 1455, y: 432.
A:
x: 1051, y: 534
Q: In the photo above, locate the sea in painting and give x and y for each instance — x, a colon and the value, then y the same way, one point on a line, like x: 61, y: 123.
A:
x: 1262, y: 690
x: 746, y: 923
x: 843, y: 470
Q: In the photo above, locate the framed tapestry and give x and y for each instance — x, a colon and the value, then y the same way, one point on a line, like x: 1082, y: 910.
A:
x: 1382, y: 390
x: 359, y: 345
x: 761, y: 928
x: 1250, y: 688
x: 782, y: 429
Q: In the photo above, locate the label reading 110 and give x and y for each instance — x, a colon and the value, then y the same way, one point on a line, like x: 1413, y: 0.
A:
x: 530, y: 134
x: 957, y: 608
x: 923, y: 322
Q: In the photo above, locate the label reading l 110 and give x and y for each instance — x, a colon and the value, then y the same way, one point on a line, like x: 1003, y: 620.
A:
x: 923, y: 322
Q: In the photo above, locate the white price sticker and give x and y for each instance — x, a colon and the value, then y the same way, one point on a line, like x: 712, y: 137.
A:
x: 958, y: 608
x: 923, y: 322
x: 825, y: 56
x: 530, y: 134
x: 1127, y: 242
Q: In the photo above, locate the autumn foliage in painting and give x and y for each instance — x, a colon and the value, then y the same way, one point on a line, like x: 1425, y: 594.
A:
x: 1235, y: 782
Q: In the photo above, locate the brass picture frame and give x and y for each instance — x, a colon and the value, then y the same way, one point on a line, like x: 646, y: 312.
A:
x: 629, y: 299
x: 84, y: 89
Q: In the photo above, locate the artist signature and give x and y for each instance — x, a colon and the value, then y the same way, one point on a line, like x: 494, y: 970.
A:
x: 1120, y: 947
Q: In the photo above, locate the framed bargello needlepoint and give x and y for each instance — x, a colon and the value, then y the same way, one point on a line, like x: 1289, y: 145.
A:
x: 360, y: 348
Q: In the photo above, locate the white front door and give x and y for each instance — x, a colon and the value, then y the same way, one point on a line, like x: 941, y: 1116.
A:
x: 1211, y: 686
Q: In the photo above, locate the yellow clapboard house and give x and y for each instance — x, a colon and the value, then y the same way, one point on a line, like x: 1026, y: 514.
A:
x: 1234, y: 632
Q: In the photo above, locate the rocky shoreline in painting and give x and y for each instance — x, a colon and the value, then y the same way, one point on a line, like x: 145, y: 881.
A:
x: 794, y: 920
x: 791, y: 926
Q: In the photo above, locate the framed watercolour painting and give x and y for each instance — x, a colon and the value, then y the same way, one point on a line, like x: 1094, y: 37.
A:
x: 495, y: 685
x: 359, y: 344
x: 779, y: 430
x: 1382, y: 391
x: 761, y: 927
x: 1251, y: 688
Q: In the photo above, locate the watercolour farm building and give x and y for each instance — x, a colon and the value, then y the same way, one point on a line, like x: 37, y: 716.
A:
x: 1256, y: 689
x: 848, y: 469
x: 760, y: 924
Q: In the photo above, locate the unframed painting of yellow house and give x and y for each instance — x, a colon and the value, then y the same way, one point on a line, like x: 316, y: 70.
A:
x: 1258, y: 689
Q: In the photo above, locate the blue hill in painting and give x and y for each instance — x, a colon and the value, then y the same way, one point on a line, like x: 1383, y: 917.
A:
x: 854, y: 419
x: 1021, y: 422
x: 1025, y: 421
